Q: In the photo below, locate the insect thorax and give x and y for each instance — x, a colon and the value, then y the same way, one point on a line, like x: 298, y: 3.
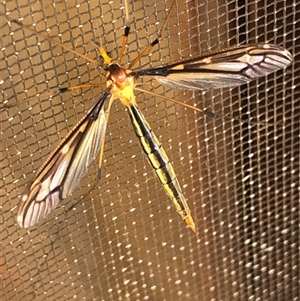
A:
x: 121, y: 83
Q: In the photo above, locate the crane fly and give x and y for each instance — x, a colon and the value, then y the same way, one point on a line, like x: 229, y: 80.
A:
x: 67, y: 165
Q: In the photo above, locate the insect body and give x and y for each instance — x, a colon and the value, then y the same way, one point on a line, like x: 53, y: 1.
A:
x: 69, y: 162
x: 67, y: 165
x: 122, y: 87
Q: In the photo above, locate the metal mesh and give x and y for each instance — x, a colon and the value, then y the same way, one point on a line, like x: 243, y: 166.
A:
x: 124, y: 240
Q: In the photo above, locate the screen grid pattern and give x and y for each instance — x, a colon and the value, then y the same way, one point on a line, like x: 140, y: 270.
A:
x: 119, y: 238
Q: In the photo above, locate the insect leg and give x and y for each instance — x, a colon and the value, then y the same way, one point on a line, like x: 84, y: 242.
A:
x: 107, y: 113
x: 126, y: 31
x: 153, y: 43
x: 53, y: 41
x: 82, y: 86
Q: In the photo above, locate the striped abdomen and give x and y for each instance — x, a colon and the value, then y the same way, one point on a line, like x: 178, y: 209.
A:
x: 160, y: 162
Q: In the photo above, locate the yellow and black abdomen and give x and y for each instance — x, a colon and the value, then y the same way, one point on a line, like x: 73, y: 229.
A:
x: 160, y: 162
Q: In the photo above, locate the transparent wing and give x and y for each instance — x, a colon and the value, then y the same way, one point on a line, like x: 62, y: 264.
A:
x: 65, y: 167
x: 225, y: 68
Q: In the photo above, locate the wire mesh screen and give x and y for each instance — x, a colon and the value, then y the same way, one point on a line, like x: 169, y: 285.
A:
x: 119, y: 238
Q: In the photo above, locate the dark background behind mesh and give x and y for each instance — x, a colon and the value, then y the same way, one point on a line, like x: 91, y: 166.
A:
x: 124, y: 240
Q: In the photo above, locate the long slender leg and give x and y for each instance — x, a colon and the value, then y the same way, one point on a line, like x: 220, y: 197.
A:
x: 147, y: 48
x: 107, y: 113
x: 126, y: 31
x: 153, y: 43
x: 206, y: 112
x: 82, y: 86
x: 53, y: 41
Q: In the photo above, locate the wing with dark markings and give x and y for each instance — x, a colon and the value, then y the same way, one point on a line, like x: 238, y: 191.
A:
x: 65, y: 167
x: 225, y: 68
